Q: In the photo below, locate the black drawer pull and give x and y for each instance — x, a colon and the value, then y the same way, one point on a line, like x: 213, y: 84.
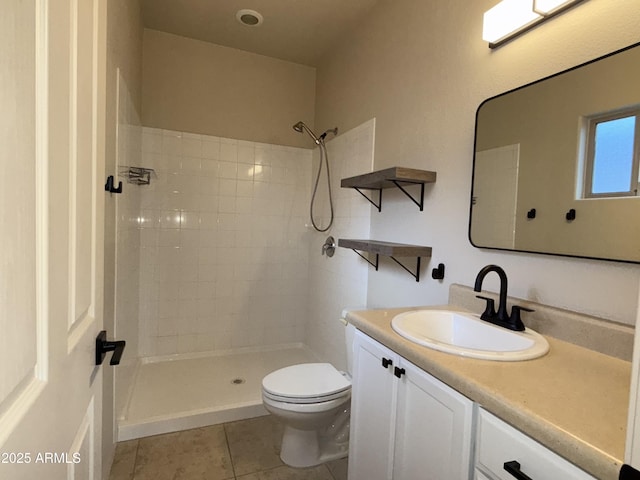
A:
x: 386, y: 362
x: 513, y: 468
x: 398, y: 372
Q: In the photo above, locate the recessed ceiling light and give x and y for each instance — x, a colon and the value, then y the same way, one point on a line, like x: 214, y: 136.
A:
x: 251, y: 18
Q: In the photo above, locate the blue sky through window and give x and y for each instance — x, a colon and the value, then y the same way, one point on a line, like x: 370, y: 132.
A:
x: 613, y: 158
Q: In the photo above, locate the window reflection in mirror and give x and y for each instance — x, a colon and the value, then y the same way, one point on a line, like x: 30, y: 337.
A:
x: 549, y: 147
x: 611, y: 161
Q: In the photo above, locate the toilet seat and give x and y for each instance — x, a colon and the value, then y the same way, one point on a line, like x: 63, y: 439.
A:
x: 306, y: 383
x: 306, y: 400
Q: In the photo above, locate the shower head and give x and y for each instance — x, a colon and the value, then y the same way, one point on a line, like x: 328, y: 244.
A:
x: 300, y: 126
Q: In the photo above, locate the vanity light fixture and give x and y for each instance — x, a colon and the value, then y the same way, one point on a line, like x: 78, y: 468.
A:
x: 510, y: 18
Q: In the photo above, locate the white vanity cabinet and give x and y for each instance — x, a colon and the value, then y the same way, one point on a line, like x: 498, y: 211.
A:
x: 405, y: 424
x: 499, y: 443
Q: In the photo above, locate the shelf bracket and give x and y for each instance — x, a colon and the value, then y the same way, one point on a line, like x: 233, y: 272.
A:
x: 377, y: 205
x: 375, y: 265
x: 414, y: 275
x: 420, y: 203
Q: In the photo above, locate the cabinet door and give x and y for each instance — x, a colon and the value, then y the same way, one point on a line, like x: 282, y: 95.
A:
x: 372, y: 410
x: 433, y: 429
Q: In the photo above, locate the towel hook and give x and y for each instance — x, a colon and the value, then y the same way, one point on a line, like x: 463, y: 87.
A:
x: 571, y: 215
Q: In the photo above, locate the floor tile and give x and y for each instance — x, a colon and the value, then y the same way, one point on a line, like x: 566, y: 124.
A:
x: 248, y: 449
x: 254, y: 444
x: 124, y: 460
x: 287, y: 473
x: 199, y: 454
x: 339, y: 468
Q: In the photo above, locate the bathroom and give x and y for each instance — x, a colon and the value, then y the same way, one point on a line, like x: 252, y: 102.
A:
x: 402, y: 83
x: 343, y: 90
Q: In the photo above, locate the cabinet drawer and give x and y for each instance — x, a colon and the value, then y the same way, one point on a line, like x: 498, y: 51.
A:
x: 499, y: 443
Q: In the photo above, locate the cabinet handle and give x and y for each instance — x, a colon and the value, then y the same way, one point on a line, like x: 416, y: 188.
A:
x: 398, y: 372
x: 386, y: 362
x: 513, y: 468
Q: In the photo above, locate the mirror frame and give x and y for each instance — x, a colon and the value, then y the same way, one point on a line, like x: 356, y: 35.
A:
x: 473, y: 172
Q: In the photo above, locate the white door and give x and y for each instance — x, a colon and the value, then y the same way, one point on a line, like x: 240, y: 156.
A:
x: 495, y: 197
x: 51, y: 202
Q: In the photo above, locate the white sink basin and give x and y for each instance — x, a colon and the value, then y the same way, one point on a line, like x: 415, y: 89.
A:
x: 466, y: 335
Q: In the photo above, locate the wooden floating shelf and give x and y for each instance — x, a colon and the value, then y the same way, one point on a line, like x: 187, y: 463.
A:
x: 399, y: 177
x: 387, y: 249
x: 385, y: 178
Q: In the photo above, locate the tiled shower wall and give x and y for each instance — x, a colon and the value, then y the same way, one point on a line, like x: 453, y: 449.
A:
x: 223, y: 244
x: 339, y: 281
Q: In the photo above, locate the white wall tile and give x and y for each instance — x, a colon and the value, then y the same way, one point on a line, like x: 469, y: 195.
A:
x: 228, y: 169
x: 190, y: 165
x: 192, y: 146
x: 216, y: 231
x: 227, y: 186
x: 246, y: 153
x: 210, y: 149
x: 229, y: 152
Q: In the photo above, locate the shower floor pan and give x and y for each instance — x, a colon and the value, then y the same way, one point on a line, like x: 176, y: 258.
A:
x: 189, y: 391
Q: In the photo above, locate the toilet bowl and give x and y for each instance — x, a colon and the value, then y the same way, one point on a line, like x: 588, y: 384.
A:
x: 313, y: 402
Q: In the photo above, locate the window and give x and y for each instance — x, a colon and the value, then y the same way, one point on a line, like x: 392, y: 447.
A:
x: 612, y: 156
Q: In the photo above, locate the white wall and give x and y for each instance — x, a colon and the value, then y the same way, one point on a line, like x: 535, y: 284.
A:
x: 339, y: 281
x: 224, y: 248
x: 421, y: 69
x: 200, y: 87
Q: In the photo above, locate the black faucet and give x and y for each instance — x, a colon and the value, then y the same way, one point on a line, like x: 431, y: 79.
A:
x: 501, y: 317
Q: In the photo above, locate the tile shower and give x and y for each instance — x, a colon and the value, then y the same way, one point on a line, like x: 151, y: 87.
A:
x: 230, y: 270
x: 222, y: 244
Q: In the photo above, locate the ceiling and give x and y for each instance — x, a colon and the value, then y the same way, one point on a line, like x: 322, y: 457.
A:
x: 298, y: 31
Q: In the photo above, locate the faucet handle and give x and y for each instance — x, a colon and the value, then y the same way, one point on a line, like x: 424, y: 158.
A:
x: 490, y: 309
x: 515, y: 316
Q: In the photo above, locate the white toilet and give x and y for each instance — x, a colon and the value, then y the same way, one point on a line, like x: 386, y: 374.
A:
x: 313, y: 402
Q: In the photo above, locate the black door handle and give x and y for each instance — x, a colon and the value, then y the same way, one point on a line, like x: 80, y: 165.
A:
x: 386, y: 362
x: 513, y: 468
x: 103, y: 346
x: 398, y: 372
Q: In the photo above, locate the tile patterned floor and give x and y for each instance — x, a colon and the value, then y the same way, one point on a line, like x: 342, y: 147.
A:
x: 243, y: 450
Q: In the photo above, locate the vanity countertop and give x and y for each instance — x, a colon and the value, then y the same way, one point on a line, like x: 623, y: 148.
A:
x: 572, y: 400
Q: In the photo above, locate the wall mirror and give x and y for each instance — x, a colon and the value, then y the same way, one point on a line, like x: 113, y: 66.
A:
x: 555, y: 166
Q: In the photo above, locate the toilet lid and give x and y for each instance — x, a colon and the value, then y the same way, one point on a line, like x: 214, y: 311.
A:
x: 305, y: 381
